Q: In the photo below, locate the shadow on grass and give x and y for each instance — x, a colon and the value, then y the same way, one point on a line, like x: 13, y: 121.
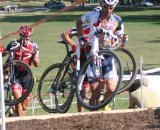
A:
x: 155, y: 19
x: 142, y: 18
x: 157, y: 40
x: 154, y: 41
x: 68, y: 18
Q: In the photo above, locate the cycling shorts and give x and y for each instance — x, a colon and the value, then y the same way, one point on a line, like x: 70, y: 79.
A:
x: 22, y: 80
x: 18, y: 87
x: 108, y: 70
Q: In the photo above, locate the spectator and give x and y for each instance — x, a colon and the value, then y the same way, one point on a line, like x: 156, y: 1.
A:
x: 149, y: 97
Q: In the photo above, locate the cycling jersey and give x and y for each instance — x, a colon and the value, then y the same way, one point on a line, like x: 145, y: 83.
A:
x: 115, y: 25
x: 24, y: 54
x: 23, y: 78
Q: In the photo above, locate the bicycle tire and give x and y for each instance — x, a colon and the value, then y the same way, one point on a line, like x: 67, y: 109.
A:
x: 82, y: 74
x: 64, y: 86
x: 133, y: 69
x: 7, y: 86
x: 46, y: 89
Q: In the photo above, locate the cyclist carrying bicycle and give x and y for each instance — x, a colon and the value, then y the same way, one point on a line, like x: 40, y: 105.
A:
x: 29, y: 55
x: 105, y: 19
x: 67, y: 37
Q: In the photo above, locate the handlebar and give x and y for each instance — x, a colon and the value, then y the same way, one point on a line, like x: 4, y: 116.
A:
x: 14, y: 47
x: 19, y: 45
x: 108, y: 35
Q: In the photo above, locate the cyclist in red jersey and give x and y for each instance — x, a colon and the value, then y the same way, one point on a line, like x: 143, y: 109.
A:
x: 29, y: 55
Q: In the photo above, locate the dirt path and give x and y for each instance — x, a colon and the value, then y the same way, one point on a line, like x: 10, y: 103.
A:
x: 140, y: 119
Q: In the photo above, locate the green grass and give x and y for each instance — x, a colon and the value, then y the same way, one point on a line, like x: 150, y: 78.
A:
x: 142, y: 25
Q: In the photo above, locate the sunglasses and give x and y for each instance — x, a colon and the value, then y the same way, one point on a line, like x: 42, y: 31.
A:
x: 108, y: 7
x: 26, y: 38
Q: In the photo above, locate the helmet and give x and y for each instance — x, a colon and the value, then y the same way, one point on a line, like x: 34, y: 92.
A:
x: 25, y: 31
x: 109, y: 2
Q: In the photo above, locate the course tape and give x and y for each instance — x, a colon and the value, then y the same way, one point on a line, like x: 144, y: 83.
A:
x: 45, y: 19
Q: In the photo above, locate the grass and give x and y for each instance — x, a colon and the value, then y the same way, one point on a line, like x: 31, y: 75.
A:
x: 141, y: 24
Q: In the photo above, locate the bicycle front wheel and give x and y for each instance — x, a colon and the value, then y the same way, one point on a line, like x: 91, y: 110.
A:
x: 22, y: 75
x: 94, y: 99
x: 46, y: 88
x: 65, y: 86
x: 129, y: 66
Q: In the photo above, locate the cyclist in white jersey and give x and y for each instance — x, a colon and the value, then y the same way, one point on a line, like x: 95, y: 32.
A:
x: 113, y: 23
x: 67, y: 37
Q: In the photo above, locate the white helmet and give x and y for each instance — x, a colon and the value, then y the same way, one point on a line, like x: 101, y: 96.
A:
x: 109, y: 2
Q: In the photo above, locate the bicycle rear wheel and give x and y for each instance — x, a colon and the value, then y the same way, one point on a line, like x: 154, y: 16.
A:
x: 46, y: 88
x: 129, y: 68
x: 65, y: 86
x: 85, y: 99
x: 22, y: 72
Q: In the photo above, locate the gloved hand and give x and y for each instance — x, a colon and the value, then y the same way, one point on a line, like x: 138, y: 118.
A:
x: 34, y: 52
x: 74, y: 47
x: 2, y: 49
x: 82, y: 40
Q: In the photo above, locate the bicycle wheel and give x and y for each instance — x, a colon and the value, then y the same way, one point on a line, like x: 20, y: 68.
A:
x: 129, y: 66
x: 46, y: 88
x: 85, y: 99
x: 65, y: 86
x: 22, y: 73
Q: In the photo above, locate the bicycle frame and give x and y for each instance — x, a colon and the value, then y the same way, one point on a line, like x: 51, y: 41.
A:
x: 65, y: 60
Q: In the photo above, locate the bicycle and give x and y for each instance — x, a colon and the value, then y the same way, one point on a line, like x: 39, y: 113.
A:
x: 78, y: 76
x: 13, y: 70
x: 10, y: 111
x: 47, y: 84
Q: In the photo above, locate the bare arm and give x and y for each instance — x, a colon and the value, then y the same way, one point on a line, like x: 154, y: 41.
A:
x: 67, y: 38
x: 36, y: 61
x: 79, y: 27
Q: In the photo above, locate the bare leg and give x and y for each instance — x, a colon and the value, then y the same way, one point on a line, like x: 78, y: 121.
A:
x: 110, y: 84
x: 79, y: 107
x: 19, y: 110
x: 18, y: 107
x: 86, y: 89
x: 95, y: 94
x: 25, y: 104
